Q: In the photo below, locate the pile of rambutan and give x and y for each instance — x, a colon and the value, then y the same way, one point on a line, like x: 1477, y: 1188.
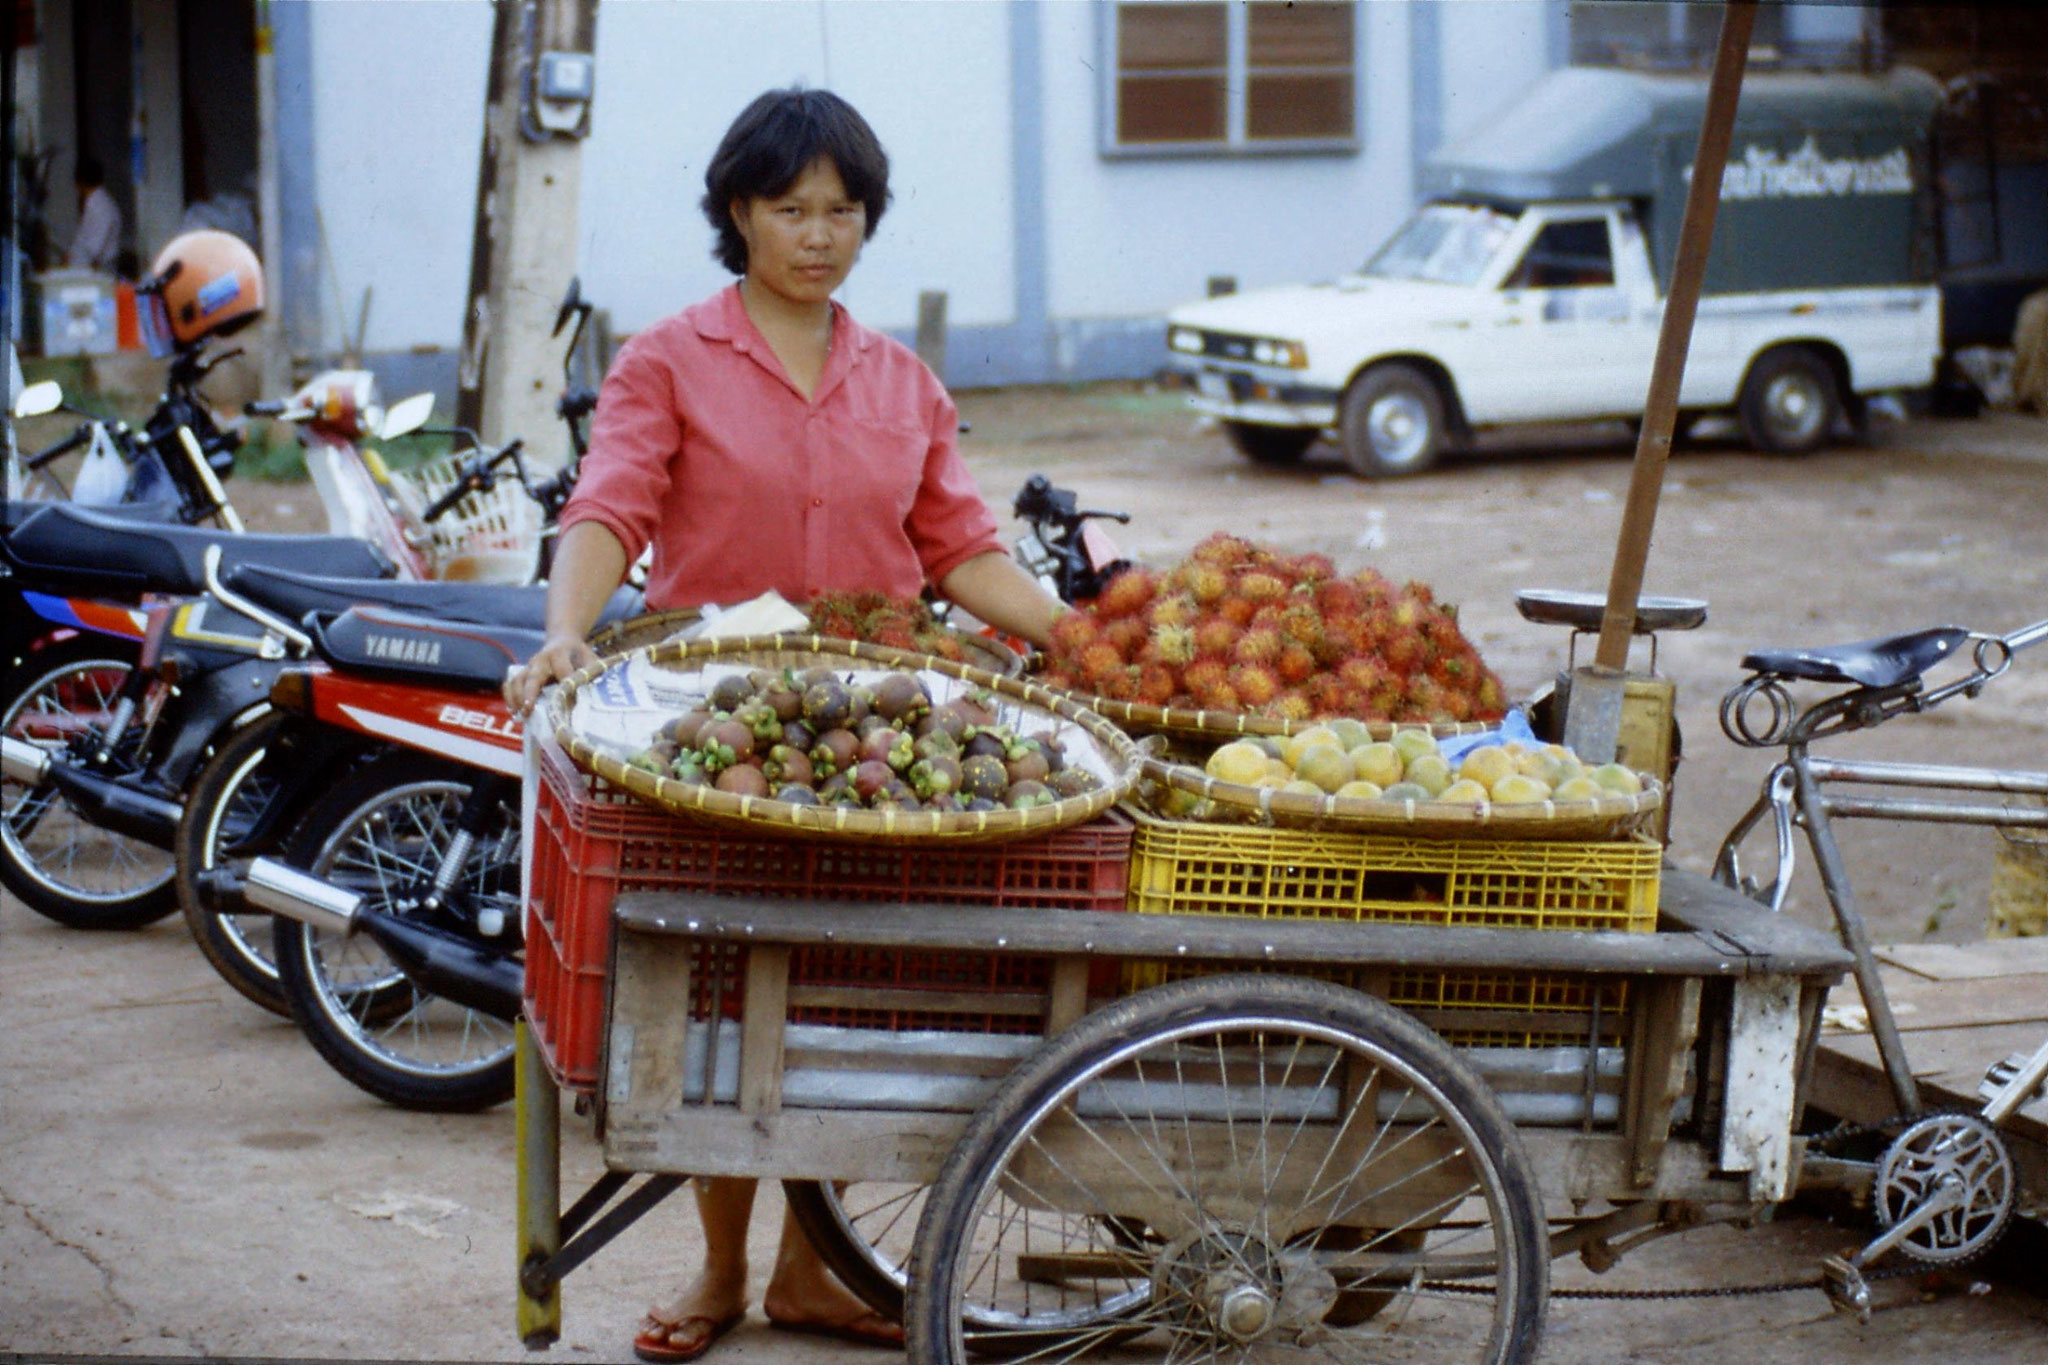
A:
x: 1238, y: 626
x: 879, y: 619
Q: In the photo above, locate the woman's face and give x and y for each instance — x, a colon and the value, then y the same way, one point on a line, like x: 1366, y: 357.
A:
x: 802, y: 243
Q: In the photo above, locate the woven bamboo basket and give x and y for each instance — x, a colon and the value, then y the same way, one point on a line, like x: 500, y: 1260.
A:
x: 1083, y: 737
x: 1615, y: 816
x: 1141, y: 718
x: 621, y: 637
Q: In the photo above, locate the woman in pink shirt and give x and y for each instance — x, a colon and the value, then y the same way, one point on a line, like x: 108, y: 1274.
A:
x: 764, y: 439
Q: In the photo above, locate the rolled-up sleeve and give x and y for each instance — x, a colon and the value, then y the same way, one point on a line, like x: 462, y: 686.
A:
x: 949, y: 523
x: 637, y: 432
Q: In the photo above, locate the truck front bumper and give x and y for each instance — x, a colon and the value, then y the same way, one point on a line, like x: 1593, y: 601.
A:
x: 1237, y: 395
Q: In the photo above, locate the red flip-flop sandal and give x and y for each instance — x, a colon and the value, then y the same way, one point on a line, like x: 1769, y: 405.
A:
x: 654, y: 1344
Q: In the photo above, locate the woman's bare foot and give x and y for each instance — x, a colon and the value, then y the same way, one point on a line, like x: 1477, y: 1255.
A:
x: 804, y: 1296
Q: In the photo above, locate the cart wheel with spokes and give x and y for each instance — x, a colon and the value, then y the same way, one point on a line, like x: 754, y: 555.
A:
x: 60, y: 864
x: 1309, y: 1169
x: 381, y: 833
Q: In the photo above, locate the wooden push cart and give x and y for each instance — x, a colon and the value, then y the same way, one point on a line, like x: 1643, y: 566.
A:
x: 1254, y: 1157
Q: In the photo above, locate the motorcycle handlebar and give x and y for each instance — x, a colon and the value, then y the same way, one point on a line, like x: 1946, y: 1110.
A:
x: 477, y: 477
x: 274, y: 407
x: 63, y: 447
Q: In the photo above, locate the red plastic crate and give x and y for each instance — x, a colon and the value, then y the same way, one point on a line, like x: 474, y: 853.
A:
x: 591, y: 842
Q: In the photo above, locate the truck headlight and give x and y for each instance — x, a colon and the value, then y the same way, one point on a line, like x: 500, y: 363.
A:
x: 1184, y: 339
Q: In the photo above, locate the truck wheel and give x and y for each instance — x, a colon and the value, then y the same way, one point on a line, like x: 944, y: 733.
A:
x: 1393, y: 422
x: 1270, y: 445
x: 1790, y: 401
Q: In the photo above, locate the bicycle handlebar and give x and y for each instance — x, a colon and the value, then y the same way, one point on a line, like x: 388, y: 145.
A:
x: 477, y: 476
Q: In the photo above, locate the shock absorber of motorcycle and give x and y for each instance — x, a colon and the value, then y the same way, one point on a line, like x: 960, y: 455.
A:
x: 479, y: 808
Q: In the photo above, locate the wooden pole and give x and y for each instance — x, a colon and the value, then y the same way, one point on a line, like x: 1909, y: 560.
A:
x: 524, y: 248
x: 1593, y: 722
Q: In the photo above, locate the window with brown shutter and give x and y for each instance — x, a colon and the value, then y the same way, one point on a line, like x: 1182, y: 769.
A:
x: 1203, y: 75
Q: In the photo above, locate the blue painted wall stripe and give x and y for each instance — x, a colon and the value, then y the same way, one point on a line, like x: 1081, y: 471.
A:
x: 1426, y: 88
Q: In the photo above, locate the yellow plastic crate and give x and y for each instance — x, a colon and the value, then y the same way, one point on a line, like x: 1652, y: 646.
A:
x: 1189, y: 868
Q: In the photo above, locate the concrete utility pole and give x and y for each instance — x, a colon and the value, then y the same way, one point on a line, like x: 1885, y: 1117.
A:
x: 524, y: 249
x: 272, y: 352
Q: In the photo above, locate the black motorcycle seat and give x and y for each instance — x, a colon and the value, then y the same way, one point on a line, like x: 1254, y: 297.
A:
x: 1873, y: 663
x: 96, y: 552
x: 459, y: 655
x: 14, y: 511
x: 296, y: 595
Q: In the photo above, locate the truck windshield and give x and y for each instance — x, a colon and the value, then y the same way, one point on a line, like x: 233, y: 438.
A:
x: 1445, y: 243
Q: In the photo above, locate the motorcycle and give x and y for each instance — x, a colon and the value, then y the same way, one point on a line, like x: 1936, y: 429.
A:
x: 76, y: 715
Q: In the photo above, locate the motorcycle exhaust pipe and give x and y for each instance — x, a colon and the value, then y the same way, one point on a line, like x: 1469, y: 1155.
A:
x: 24, y: 762
x: 101, y: 800
x: 297, y: 895
x: 475, y: 975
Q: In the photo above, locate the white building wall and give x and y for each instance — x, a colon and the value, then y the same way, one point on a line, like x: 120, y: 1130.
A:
x: 933, y: 80
x: 1492, y: 51
x: 1132, y: 236
x: 398, y: 117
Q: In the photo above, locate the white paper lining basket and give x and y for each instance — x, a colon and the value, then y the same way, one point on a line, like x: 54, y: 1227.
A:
x: 1614, y: 816
x: 600, y: 735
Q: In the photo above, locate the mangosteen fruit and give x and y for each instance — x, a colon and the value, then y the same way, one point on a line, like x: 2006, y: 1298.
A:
x: 796, y: 794
x: 900, y: 698
x: 828, y: 705
x: 1026, y: 762
x: 945, y: 803
x: 932, y: 776
x: 980, y: 803
x: 871, y: 776
x: 798, y: 735
x: 731, y: 692
x: 742, y: 779
x: 683, y: 729
x: 789, y: 765
x: 983, y: 775
x: 1025, y: 795
x: 986, y: 742
x: 835, y: 752
x: 936, y: 744
x: 1073, y: 782
x: 759, y: 717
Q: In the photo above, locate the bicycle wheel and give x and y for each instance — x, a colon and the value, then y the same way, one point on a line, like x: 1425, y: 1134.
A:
x: 381, y: 833
x: 1314, y: 1174
x: 60, y: 864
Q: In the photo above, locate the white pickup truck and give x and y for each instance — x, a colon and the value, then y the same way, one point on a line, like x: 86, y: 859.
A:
x: 1530, y: 287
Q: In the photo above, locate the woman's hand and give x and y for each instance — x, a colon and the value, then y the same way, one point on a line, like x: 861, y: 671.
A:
x: 555, y: 660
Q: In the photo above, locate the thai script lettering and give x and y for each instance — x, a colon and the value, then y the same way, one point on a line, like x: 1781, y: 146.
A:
x: 1763, y: 173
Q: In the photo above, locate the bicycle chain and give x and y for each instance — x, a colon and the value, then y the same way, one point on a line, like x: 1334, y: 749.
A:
x: 1835, y: 1137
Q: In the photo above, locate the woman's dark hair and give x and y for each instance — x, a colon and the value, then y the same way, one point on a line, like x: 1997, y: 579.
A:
x: 772, y: 142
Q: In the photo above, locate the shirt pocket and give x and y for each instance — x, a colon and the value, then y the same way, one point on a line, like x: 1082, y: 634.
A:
x: 884, y: 464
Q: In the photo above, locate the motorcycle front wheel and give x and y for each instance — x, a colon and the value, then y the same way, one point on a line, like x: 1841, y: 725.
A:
x: 61, y: 865
x: 381, y: 833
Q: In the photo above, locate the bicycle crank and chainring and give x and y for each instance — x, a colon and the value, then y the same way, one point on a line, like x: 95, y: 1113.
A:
x: 1957, y: 1155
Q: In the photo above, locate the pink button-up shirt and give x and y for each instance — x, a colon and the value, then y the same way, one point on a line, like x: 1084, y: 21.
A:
x: 703, y: 448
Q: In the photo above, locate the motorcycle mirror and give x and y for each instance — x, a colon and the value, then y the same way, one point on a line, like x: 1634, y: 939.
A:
x: 572, y: 303
x: 406, y: 416
x: 45, y: 395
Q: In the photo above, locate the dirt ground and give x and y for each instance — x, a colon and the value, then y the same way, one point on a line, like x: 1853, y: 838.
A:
x: 180, y: 1176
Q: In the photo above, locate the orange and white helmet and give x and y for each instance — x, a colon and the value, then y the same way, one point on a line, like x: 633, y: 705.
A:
x: 204, y: 284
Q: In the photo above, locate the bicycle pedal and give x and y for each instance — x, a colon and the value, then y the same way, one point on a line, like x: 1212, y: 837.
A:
x: 1845, y: 1287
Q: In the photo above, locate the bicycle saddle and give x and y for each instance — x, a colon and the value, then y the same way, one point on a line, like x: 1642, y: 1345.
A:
x: 94, y: 551
x: 1873, y: 663
x: 295, y: 595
